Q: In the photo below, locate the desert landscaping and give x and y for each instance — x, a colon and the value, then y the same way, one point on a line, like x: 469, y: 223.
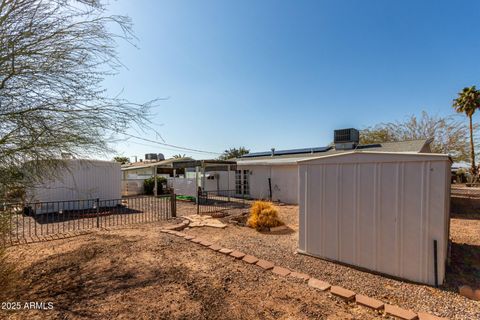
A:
x: 145, y: 273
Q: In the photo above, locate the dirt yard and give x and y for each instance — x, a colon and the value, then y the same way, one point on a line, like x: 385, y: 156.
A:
x: 281, y: 249
x: 140, y: 273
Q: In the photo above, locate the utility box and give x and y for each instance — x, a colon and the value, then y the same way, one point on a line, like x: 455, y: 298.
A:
x: 379, y: 211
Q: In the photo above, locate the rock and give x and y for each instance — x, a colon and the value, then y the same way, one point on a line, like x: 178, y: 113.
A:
x: 466, y: 291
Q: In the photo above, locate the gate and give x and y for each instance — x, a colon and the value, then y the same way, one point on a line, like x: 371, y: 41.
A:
x: 28, y: 222
x: 220, y: 200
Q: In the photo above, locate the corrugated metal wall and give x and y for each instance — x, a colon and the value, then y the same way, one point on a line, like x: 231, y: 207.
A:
x: 82, y: 180
x: 377, y: 211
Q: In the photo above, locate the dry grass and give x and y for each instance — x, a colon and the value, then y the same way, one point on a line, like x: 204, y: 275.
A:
x: 8, y: 277
x: 263, y: 215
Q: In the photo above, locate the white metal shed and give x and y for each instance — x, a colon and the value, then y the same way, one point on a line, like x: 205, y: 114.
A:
x: 379, y: 211
x: 77, y: 185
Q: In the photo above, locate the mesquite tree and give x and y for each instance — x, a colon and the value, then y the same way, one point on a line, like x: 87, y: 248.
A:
x: 54, y: 56
x: 450, y: 134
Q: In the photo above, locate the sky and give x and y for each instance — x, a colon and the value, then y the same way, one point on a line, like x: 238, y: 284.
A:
x: 285, y: 74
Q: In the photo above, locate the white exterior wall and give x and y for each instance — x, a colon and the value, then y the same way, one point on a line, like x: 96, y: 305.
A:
x: 82, y: 180
x: 183, y: 186
x: 377, y: 211
x: 284, y: 180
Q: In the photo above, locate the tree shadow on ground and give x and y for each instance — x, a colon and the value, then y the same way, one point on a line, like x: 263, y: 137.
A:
x: 91, y: 275
x: 464, y: 266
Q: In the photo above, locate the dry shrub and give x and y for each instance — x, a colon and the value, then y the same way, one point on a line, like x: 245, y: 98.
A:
x: 263, y: 215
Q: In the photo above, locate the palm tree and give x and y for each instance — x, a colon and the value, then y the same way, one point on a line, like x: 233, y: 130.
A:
x: 468, y: 101
x: 179, y: 156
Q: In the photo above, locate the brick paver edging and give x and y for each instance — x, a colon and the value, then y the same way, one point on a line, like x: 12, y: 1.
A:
x: 322, y: 286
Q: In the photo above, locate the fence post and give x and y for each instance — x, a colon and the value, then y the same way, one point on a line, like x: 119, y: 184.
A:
x: 173, y: 204
x: 97, y: 201
x: 198, y: 201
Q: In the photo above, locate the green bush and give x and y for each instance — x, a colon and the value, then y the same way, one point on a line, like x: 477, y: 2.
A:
x: 149, y: 184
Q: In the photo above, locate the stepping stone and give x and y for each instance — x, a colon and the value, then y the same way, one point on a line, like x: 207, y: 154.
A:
x: 237, y: 254
x: 342, y: 293
x: 189, y: 237
x: 181, y: 234
x: 196, y: 240
x: 318, y: 284
x: 215, y: 247
x: 206, y: 243
x: 250, y: 259
x: 428, y: 316
x: 281, y: 271
x: 399, y: 312
x: 225, y: 251
x: 164, y: 231
x: 369, y: 302
x: 299, y: 275
x: 265, y: 265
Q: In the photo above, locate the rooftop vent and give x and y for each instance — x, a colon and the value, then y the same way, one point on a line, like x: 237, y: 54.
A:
x: 346, y: 139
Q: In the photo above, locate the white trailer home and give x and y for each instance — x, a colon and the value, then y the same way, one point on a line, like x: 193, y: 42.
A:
x: 76, y: 185
x: 386, y: 212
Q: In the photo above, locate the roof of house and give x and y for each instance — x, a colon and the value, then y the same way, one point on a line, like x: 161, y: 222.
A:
x: 168, y: 163
x: 292, y: 156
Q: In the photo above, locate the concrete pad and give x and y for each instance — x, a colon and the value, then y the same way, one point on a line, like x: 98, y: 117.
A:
x: 369, y: 302
x: 215, y: 247
x: 225, y: 251
x: 237, y: 254
x: 342, y: 293
x: 281, y: 271
x: 265, y: 265
x: 318, y: 284
x: 399, y: 312
x: 299, y: 275
x: 250, y: 259
x: 428, y: 316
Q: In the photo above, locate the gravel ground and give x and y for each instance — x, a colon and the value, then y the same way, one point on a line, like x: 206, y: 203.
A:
x: 281, y: 249
x: 139, y: 273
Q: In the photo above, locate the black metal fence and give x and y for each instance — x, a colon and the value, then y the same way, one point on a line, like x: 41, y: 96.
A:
x: 219, y: 200
x: 25, y: 221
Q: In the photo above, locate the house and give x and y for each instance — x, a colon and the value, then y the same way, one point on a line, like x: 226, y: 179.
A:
x: 134, y: 174
x: 274, y: 174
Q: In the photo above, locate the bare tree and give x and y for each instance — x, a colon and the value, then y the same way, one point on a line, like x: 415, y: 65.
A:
x: 54, y: 56
x: 450, y: 134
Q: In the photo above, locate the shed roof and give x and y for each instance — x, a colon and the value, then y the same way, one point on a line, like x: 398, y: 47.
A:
x: 369, y: 156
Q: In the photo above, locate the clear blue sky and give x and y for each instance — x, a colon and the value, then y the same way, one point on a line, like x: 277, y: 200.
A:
x: 285, y: 74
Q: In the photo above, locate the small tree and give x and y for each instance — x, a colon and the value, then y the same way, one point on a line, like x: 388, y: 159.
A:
x: 234, y: 153
x: 179, y: 156
x: 149, y: 185
x: 449, y: 133
x: 121, y: 160
x: 467, y: 102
